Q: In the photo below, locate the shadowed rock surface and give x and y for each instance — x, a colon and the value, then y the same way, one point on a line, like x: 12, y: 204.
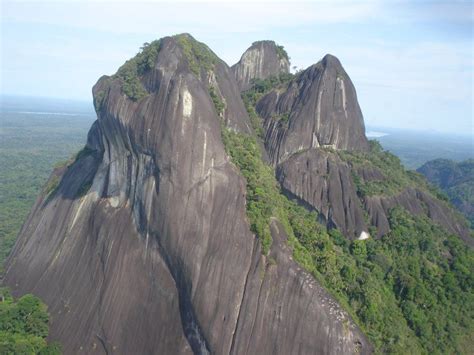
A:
x: 144, y: 246
x: 262, y: 60
x: 324, y: 182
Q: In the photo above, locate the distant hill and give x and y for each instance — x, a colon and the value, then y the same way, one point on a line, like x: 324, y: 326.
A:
x: 456, y: 179
x: 414, y: 148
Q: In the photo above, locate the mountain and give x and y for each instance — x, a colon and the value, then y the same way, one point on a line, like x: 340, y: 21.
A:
x: 456, y: 179
x: 315, y: 137
x: 142, y: 244
x: 204, y: 216
x: 262, y: 60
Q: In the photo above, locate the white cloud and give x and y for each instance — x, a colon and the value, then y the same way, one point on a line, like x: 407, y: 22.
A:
x: 171, y: 17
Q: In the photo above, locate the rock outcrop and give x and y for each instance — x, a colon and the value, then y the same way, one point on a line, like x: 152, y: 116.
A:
x: 318, y: 108
x: 314, y: 113
x: 145, y: 247
x: 306, y: 122
x: 323, y: 181
x: 262, y: 60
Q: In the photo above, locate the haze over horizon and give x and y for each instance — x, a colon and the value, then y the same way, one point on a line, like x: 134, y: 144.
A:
x: 411, y: 64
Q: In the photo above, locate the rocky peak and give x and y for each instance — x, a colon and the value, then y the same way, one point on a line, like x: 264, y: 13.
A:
x: 178, y: 59
x: 320, y: 108
x: 310, y: 123
x: 331, y: 60
x: 262, y: 60
x: 150, y: 219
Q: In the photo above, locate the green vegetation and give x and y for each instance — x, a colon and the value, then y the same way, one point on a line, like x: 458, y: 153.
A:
x: 217, y: 100
x: 30, y: 146
x: 24, y: 326
x: 256, y: 92
x: 263, y: 198
x: 456, y: 180
x: 282, y: 118
x: 262, y: 86
x: 199, y: 56
x: 394, y: 178
x: 53, y: 183
x: 282, y: 54
x: 134, y: 68
x: 411, y: 292
x: 396, y: 288
x: 415, y: 148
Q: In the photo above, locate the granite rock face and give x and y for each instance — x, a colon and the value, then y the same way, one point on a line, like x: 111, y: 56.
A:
x: 306, y: 122
x: 318, y: 108
x: 323, y: 181
x: 262, y: 60
x: 144, y: 247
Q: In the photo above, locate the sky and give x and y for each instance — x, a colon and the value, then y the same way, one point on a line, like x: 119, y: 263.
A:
x: 410, y: 61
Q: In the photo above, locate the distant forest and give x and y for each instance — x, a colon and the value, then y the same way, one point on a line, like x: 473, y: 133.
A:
x: 30, y: 146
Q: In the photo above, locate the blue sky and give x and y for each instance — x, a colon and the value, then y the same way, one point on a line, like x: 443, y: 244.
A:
x: 411, y: 62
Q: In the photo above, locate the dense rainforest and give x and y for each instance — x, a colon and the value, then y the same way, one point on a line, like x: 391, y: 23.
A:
x: 456, y: 180
x: 30, y: 146
x: 412, y: 291
x: 24, y: 326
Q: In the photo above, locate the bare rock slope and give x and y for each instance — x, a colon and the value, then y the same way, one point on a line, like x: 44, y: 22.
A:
x: 144, y: 246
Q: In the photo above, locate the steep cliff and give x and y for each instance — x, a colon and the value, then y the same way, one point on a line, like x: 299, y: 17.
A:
x: 144, y: 245
x: 315, y: 137
x: 392, y: 251
x: 262, y: 60
x: 318, y: 108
